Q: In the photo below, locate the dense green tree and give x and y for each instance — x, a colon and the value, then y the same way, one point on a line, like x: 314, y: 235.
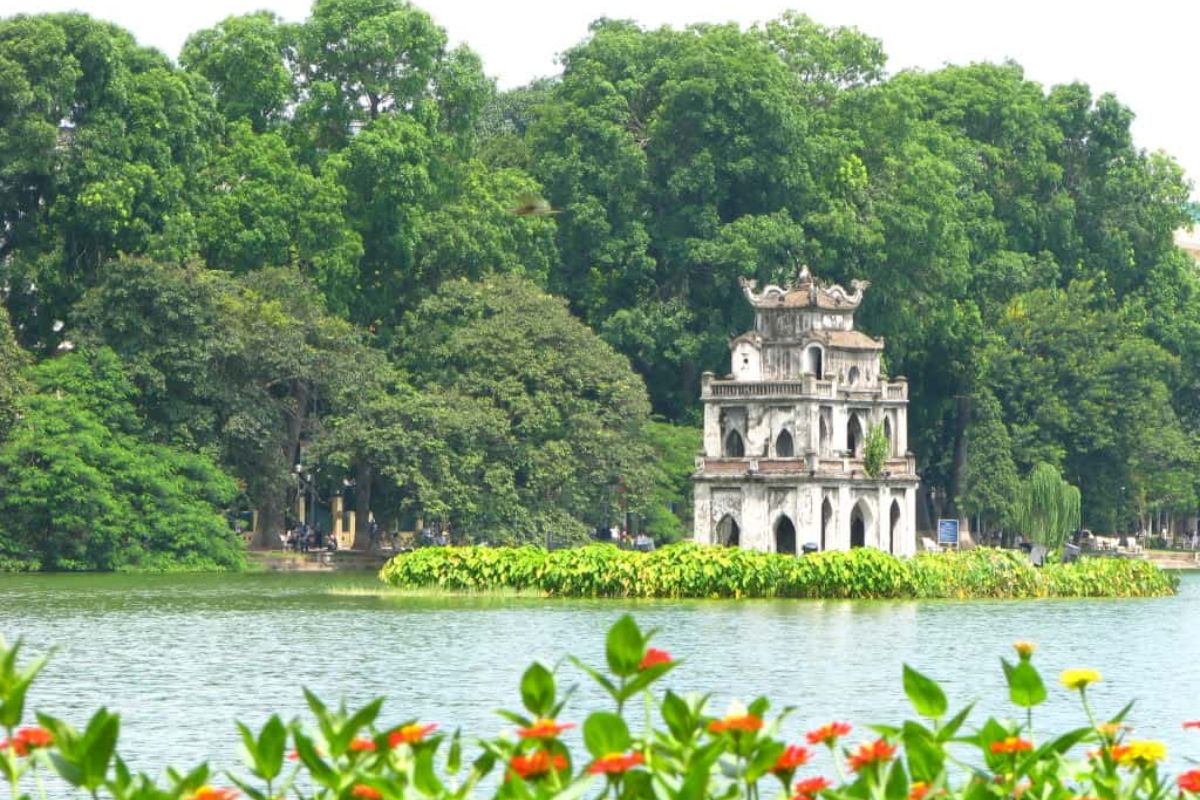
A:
x: 12, y: 384
x: 80, y: 489
x: 571, y: 412
x: 990, y: 484
x: 247, y: 61
x: 242, y: 368
x: 101, y: 139
x: 262, y: 208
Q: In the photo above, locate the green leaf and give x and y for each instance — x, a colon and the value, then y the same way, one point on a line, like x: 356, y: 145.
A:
x: 1025, y: 686
x: 605, y: 732
x: 924, y: 693
x: 272, y: 742
x: 678, y: 716
x: 926, y: 758
x: 424, y: 776
x: 624, y: 647
x: 454, y: 755
x: 537, y: 690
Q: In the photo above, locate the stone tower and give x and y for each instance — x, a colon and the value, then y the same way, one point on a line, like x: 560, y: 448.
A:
x: 784, y: 433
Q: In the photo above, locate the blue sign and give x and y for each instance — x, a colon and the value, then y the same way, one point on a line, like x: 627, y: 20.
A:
x: 948, y: 531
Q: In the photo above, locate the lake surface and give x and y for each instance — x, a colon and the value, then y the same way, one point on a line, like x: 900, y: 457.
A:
x: 182, y: 657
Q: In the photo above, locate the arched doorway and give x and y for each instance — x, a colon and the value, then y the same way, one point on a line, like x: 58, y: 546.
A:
x: 815, y: 365
x: 784, y: 447
x: 854, y: 435
x: 858, y: 526
x: 893, y: 524
x: 887, y: 433
x: 826, y: 520
x: 728, y: 532
x: 785, y: 536
x: 735, y: 447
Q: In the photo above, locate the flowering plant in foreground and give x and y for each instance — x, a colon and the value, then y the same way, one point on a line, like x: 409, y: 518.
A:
x: 679, y: 749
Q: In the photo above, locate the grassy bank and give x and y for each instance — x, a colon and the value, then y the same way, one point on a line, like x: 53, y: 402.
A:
x: 693, y: 571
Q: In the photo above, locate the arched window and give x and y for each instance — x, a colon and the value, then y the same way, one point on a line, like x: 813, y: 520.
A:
x: 854, y: 435
x: 815, y: 365
x: 823, y: 436
x: 893, y: 524
x: 887, y: 433
x: 785, y: 536
x: 734, y: 446
x: 784, y: 447
x: 852, y: 377
x: 858, y: 526
x: 728, y: 532
x: 826, y: 519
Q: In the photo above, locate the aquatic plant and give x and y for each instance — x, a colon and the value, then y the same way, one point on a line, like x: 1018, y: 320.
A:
x: 687, y: 570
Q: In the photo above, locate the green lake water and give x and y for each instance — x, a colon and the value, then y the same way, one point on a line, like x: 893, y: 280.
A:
x: 182, y: 657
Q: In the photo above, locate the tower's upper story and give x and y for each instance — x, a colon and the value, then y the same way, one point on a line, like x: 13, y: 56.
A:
x: 806, y: 328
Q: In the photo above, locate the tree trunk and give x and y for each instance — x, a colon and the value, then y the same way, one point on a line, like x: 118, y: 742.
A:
x: 958, y: 471
x: 273, y: 506
x: 362, y: 504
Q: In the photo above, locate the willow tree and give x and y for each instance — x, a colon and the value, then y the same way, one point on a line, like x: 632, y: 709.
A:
x: 1048, y: 506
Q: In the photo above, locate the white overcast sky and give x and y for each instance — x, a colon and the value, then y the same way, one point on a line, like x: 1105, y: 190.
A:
x: 1145, y: 52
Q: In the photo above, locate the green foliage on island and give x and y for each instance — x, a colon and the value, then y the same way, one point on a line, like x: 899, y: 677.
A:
x: 273, y: 233
x: 686, y: 570
x: 643, y: 743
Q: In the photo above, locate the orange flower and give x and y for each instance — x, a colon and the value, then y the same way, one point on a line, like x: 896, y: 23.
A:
x: 918, y: 790
x: 794, y: 756
x: 26, y: 740
x: 1189, y: 781
x: 1011, y: 746
x: 876, y: 752
x: 653, y: 658
x: 745, y: 723
x: 544, y: 729
x: 536, y: 764
x: 828, y: 733
x: 1195, y: 723
x: 411, y: 734
x: 361, y: 790
x: 213, y: 793
x: 615, y: 763
x: 808, y: 787
x: 361, y: 745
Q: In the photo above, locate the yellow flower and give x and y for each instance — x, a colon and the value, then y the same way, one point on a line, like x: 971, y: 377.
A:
x: 1024, y: 649
x: 1079, y: 678
x: 1140, y: 753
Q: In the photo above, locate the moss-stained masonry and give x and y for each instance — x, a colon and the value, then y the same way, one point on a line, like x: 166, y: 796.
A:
x: 693, y: 571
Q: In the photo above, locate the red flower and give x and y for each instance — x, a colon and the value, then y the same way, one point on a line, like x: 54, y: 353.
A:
x: 746, y: 723
x: 1011, y: 745
x: 808, y: 787
x: 213, y: 793
x: 794, y: 756
x: 615, y: 763
x: 537, y: 763
x: 653, y: 658
x: 544, y: 729
x: 361, y: 745
x: 365, y: 792
x: 28, y: 739
x: 411, y: 734
x: 1195, y: 723
x: 828, y: 734
x: 1189, y: 781
x: 876, y: 752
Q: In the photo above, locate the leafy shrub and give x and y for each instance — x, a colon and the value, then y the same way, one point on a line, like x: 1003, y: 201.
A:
x: 683, y: 751
x: 688, y: 570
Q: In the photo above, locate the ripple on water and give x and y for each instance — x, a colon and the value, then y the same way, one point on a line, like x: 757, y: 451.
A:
x: 181, y: 657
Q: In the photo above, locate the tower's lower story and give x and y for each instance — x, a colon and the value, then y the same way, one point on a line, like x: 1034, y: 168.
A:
x: 780, y: 512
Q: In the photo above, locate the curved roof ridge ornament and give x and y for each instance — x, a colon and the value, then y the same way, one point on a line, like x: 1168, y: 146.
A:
x: 805, y: 291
